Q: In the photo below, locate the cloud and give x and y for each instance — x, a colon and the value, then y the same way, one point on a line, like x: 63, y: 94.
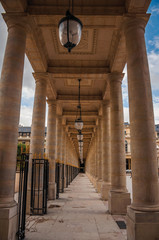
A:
x: 156, y: 112
x: 126, y: 114
x: 28, y: 79
x: 155, y: 10
x: 26, y: 115
x: 27, y: 93
x: 154, y: 42
x: 153, y: 58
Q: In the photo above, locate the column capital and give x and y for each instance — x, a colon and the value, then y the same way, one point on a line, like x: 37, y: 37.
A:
x: 132, y: 22
x: 16, y: 20
x: 41, y: 77
x: 51, y: 102
x: 115, y: 77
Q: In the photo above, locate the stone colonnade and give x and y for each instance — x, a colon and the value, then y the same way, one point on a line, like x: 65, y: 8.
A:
x: 10, y: 100
x: 106, y: 152
x: 143, y: 211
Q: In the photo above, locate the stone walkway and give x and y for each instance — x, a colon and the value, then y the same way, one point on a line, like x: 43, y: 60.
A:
x: 79, y: 214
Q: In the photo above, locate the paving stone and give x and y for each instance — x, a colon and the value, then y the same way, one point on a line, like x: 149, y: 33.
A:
x: 79, y: 214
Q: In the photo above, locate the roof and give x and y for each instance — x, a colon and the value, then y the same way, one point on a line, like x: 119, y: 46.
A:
x: 27, y: 129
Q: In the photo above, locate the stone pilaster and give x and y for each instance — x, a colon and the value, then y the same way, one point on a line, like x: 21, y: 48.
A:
x: 119, y: 198
x: 106, y: 151
x: 51, y: 147
x: 143, y: 214
x: 10, y: 99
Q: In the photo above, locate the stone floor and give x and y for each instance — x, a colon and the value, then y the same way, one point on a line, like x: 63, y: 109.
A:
x: 78, y: 214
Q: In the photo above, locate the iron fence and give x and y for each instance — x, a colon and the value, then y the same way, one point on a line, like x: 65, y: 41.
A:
x: 22, y: 170
x: 39, y: 186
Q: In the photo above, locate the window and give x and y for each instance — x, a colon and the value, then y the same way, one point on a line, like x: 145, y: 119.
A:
x: 126, y: 146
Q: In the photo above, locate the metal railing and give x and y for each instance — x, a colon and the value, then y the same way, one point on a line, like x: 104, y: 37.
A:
x: 22, y: 170
x: 64, y: 173
x: 39, y: 186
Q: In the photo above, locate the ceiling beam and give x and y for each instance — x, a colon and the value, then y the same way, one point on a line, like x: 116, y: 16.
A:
x: 79, y: 72
x: 78, y: 10
x: 74, y: 113
x: 83, y: 99
x: 85, y: 130
x: 73, y: 135
x: 86, y: 124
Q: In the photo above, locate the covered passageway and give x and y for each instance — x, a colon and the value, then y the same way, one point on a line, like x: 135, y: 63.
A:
x: 112, y: 35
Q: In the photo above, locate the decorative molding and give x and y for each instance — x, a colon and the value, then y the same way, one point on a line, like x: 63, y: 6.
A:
x: 82, y: 49
x: 74, y: 83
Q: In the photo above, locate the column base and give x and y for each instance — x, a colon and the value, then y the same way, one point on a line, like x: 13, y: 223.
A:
x: 8, y: 223
x: 94, y: 182
x: 105, y: 188
x: 98, y: 185
x: 118, y: 202
x: 65, y: 182
x: 142, y: 225
x: 52, y: 191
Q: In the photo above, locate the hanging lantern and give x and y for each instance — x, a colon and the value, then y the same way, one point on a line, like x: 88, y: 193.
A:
x: 70, y: 31
x: 78, y: 121
x: 79, y: 124
x: 80, y: 143
x: 80, y: 136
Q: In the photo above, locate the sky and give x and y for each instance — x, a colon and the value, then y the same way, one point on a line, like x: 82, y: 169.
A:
x: 152, y: 44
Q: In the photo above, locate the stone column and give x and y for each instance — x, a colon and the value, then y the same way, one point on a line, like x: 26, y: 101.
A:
x: 96, y: 149
x: 38, y: 119
x: 51, y: 147
x: 106, y: 151
x: 119, y: 198
x: 143, y: 214
x: 65, y: 159
x: 59, y: 148
x: 37, y: 128
x: 10, y: 99
x: 99, y: 144
x: 62, y: 158
x: 95, y: 161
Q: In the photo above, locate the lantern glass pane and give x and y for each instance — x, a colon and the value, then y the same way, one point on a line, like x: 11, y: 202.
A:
x: 75, y: 31
x: 80, y: 137
x: 79, y: 124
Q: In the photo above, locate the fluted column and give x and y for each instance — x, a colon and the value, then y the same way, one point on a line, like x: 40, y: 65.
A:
x: 118, y: 196
x: 106, y: 151
x: 10, y: 99
x: 145, y: 203
x: 37, y: 129
x: 99, y: 143
x: 51, y: 147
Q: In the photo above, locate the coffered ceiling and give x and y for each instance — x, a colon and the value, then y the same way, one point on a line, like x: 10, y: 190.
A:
x: 100, y: 52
